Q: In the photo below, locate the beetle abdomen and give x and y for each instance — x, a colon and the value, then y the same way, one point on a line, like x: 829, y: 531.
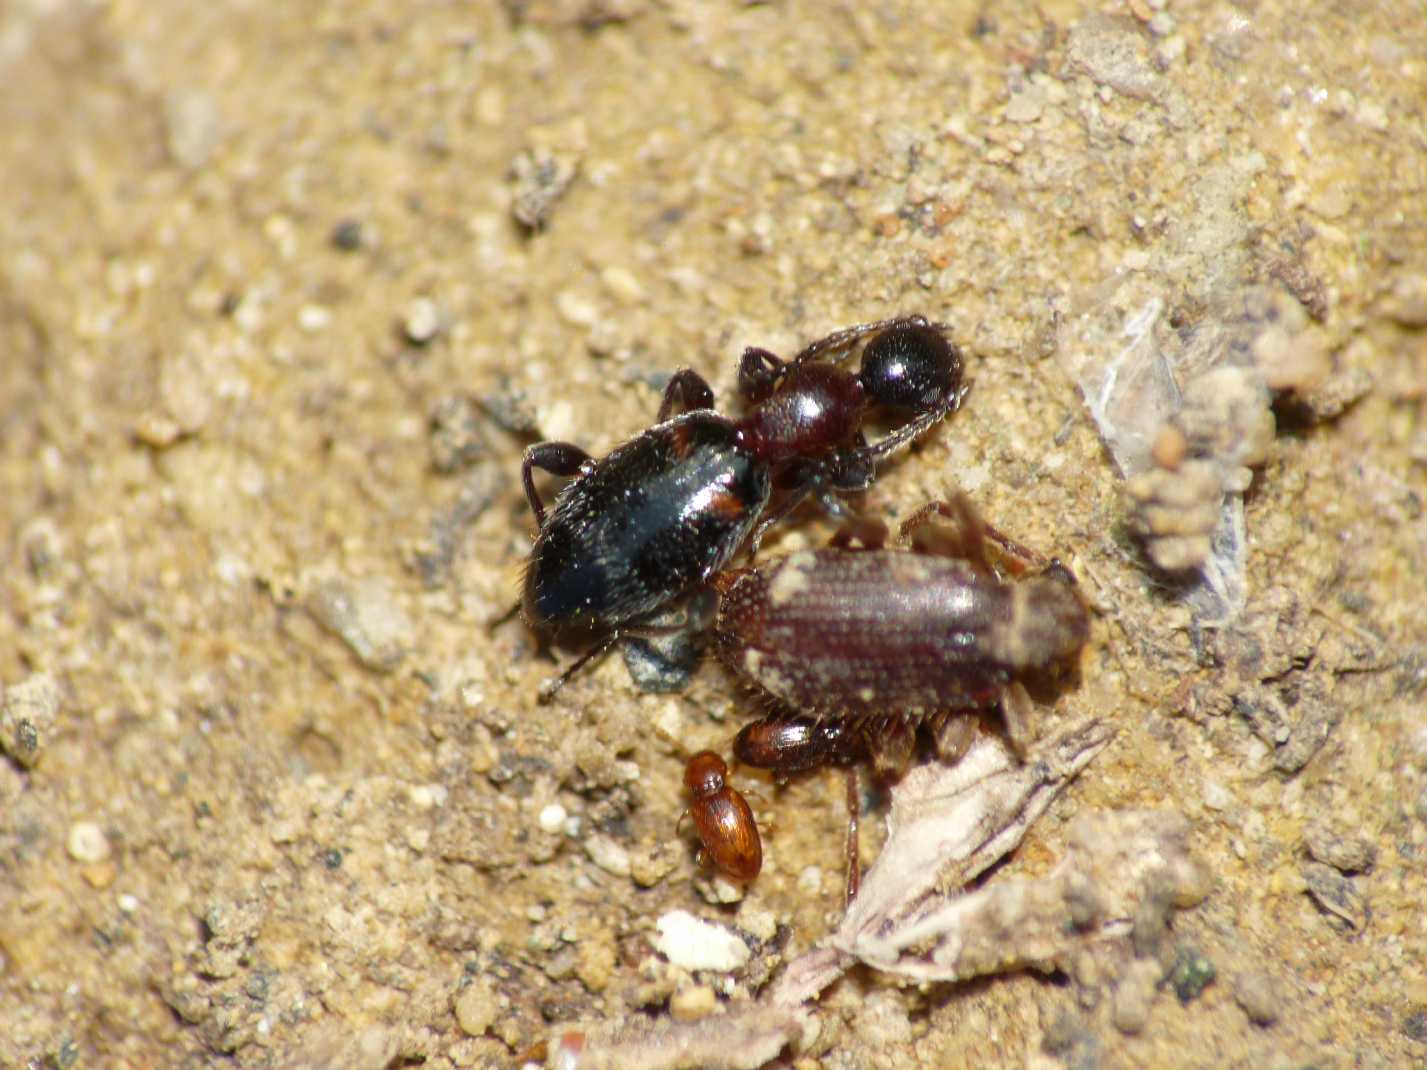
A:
x: 867, y: 632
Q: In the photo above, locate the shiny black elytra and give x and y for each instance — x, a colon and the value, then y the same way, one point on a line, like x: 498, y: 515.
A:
x: 634, y: 533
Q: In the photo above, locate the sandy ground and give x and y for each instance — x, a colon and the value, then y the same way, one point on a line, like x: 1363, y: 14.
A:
x: 284, y: 292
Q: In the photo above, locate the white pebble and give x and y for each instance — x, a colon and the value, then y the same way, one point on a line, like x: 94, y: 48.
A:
x: 696, y: 944
x: 553, y: 817
x: 575, y: 308
x: 622, y: 283
x: 87, y: 842
x: 314, y: 318
x: 422, y: 321
x: 427, y: 796
x: 1216, y: 796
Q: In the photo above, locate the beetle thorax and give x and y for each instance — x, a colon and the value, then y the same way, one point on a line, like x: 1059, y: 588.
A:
x: 816, y: 409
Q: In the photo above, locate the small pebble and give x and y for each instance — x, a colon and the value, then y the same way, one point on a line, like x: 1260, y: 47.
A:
x: 608, y: 855
x: 1257, y: 994
x: 1216, y: 796
x: 1335, y: 895
x: 1349, y: 854
x: 1025, y: 106
x: 347, y: 235
x: 157, y: 430
x: 457, y: 434
x: 367, y: 617
x: 476, y: 1007
x: 1191, y: 974
x: 651, y: 863
x: 1134, y: 996
x: 1414, y: 1025
x: 1161, y: 25
x: 576, y: 309
x: 1408, y: 303
x: 557, y: 420
x: 99, y: 874
x: 421, y: 322
x: 552, y: 817
x: 314, y: 318
x: 692, y: 1004
x: 427, y: 796
x: 758, y: 923
x: 1062, y: 1033
x: 623, y: 285
x: 695, y: 944
x: 662, y: 664
x: 28, y: 711
x: 721, y: 890
x: 87, y: 842
x: 1086, y: 969
x: 193, y: 126
x: 595, y: 961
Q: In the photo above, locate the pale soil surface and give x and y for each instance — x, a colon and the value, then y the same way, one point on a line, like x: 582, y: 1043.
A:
x: 276, y: 788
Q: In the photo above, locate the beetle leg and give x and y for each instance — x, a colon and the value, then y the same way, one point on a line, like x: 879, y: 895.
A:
x: 845, y: 339
x: 1017, y: 710
x: 965, y: 538
x: 557, y: 458
x: 508, y: 615
x: 687, y: 390
x: 915, y: 428
x: 551, y: 687
x: 854, y: 849
x: 891, y: 748
x: 952, y: 732
x: 758, y: 373
x: 791, y: 501
x: 1018, y: 557
x: 853, y: 469
x: 701, y: 609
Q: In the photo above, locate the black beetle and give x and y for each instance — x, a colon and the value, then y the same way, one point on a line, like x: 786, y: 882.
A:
x: 638, y: 530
